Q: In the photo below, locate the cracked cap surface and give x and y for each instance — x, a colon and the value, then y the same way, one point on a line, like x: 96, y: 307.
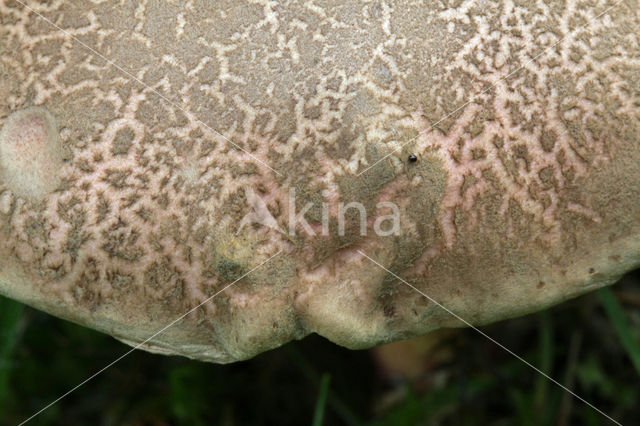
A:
x: 132, y: 131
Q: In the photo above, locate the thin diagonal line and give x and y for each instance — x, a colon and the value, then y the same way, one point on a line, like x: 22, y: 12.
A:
x: 146, y: 340
x: 492, y: 86
x: 493, y: 340
x: 119, y: 68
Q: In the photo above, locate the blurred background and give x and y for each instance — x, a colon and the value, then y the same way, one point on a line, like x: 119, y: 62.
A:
x: 449, y: 377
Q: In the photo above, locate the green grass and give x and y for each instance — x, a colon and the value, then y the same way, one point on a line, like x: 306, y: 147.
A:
x: 628, y: 337
x: 10, y: 329
x: 321, y: 404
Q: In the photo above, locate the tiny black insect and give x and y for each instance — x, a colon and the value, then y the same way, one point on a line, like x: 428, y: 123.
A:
x: 413, y: 158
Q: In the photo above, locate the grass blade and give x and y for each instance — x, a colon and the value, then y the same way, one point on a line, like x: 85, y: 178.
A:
x: 321, y: 403
x: 10, y: 327
x: 546, y: 352
x: 620, y: 324
x: 337, y: 405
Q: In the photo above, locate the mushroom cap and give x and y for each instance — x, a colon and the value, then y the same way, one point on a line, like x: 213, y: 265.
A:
x: 238, y: 175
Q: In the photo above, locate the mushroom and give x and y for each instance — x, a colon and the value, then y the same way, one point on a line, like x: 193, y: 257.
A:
x: 215, y: 179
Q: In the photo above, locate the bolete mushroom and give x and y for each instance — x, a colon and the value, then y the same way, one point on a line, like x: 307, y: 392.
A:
x: 303, y: 155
